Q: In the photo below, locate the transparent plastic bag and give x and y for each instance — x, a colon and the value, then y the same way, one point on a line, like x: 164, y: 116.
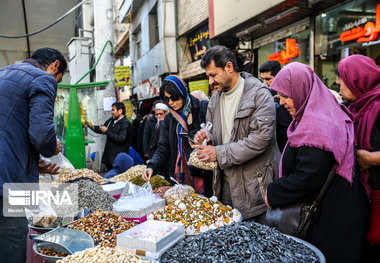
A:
x: 178, y: 192
x: 65, y: 165
x: 45, y: 217
x: 194, y: 160
x: 135, y: 198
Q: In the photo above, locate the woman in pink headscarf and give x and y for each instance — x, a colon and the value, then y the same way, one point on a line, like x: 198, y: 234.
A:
x: 360, y: 88
x: 320, y: 138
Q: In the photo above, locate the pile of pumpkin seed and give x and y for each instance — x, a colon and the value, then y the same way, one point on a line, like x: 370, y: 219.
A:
x: 93, y: 197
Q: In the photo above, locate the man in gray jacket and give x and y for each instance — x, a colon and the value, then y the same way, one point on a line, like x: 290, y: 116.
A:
x: 243, y: 139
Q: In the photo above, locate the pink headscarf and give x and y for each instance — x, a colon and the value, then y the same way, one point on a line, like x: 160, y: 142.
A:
x: 362, y: 77
x: 320, y: 121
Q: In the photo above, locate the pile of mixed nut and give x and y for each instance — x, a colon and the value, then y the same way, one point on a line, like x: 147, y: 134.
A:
x: 198, y: 213
x: 102, y: 227
x: 83, y: 173
x: 131, y: 173
x: 103, y: 254
x: 194, y: 161
x: 52, y: 253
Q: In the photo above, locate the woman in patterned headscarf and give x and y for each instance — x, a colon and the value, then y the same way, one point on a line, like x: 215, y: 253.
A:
x: 186, y: 115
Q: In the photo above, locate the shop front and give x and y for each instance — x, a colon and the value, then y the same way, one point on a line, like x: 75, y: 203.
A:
x: 287, y: 45
x: 349, y: 29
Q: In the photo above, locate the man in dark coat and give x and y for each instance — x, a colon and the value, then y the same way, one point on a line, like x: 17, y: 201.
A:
x: 268, y: 71
x: 27, y: 95
x: 118, y: 131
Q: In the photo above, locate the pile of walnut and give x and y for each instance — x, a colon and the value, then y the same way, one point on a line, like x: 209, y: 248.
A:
x: 83, y: 173
x: 52, y: 252
x: 103, y: 227
x: 194, y: 161
x: 102, y: 254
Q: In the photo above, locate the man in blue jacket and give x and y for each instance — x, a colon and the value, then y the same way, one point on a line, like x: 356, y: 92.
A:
x: 27, y: 95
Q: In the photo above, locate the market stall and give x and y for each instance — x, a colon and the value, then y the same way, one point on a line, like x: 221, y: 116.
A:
x: 128, y: 220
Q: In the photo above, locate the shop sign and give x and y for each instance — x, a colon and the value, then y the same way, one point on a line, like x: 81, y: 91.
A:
x: 199, y: 42
x: 291, y: 51
x: 148, y: 88
x: 363, y: 34
x: 128, y: 109
x: 122, y: 76
x: 191, y: 70
x: 199, y: 85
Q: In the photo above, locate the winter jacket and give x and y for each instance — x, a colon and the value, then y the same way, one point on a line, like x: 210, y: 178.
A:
x: 149, y: 132
x: 27, y: 95
x: 166, y: 152
x: 252, y: 155
x: 118, y: 139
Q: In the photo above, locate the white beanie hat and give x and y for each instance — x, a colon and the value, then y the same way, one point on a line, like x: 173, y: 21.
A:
x: 161, y: 106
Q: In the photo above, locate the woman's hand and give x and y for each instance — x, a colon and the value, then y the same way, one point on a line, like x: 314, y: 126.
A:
x: 147, y: 174
x: 367, y: 159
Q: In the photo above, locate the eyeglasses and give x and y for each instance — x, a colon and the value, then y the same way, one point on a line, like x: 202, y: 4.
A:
x: 172, y: 98
x: 159, y: 114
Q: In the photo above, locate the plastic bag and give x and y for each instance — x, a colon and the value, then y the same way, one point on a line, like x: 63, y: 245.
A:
x: 45, y: 217
x: 65, y: 165
x: 178, y: 192
x: 135, y: 198
x: 194, y: 160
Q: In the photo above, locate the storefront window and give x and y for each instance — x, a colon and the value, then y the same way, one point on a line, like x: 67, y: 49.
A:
x: 329, y: 26
x: 302, y: 40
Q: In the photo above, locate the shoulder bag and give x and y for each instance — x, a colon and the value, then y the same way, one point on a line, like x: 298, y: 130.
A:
x: 294, y: 219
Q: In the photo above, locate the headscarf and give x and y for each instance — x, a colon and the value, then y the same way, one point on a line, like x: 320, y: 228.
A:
x: 320, y: 121
x: 182, y: 126
x: 362, y: 77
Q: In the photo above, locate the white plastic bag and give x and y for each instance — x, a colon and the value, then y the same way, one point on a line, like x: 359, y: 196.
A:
x: 65, y: 165
x: 135, y: 198
x: 194, y: 160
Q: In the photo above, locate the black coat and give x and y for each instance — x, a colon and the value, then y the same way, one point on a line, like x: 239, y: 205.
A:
x: 118, y: 139
x: 149, y: 133
x: 374, y: 171
x: 283, y: 120
x: 166, y: 153
x: 339, y: 227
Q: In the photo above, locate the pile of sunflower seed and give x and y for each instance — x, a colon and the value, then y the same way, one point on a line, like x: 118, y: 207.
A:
x: 93, y: 197
x: 240, y: 242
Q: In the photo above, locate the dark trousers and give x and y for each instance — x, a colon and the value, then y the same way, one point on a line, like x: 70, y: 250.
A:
x: 13, y: 237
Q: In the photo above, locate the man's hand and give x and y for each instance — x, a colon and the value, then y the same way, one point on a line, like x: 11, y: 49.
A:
x: 103, y: 129
x: 206, y: 153
x: 59, y: 147
x: 147, y: 174
x: 200, y: 136
x: 47, y: 168
x: 89, y: 124
x: 367, y: 159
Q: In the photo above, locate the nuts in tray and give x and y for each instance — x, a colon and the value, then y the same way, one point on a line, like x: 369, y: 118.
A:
x: 194, y: 161
x: 178, y: 192
x: 131, y: 173
x: 52, y: 252
x: 83, y: 173
x: 103, y: 254
x: 102, y: 227
x: 198, y: 213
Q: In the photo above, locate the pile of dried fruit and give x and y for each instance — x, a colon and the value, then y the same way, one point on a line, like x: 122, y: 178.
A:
x: 161, y: 190
x: 103, y: 227
x: 83, y: 173
x: 103, y: 254
x: 52, y: 252
x: 131, y: 173
x: 241, y: 242
x: 198, y: 213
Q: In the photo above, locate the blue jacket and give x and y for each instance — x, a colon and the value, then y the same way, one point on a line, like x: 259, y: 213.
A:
x: 27, y: 96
